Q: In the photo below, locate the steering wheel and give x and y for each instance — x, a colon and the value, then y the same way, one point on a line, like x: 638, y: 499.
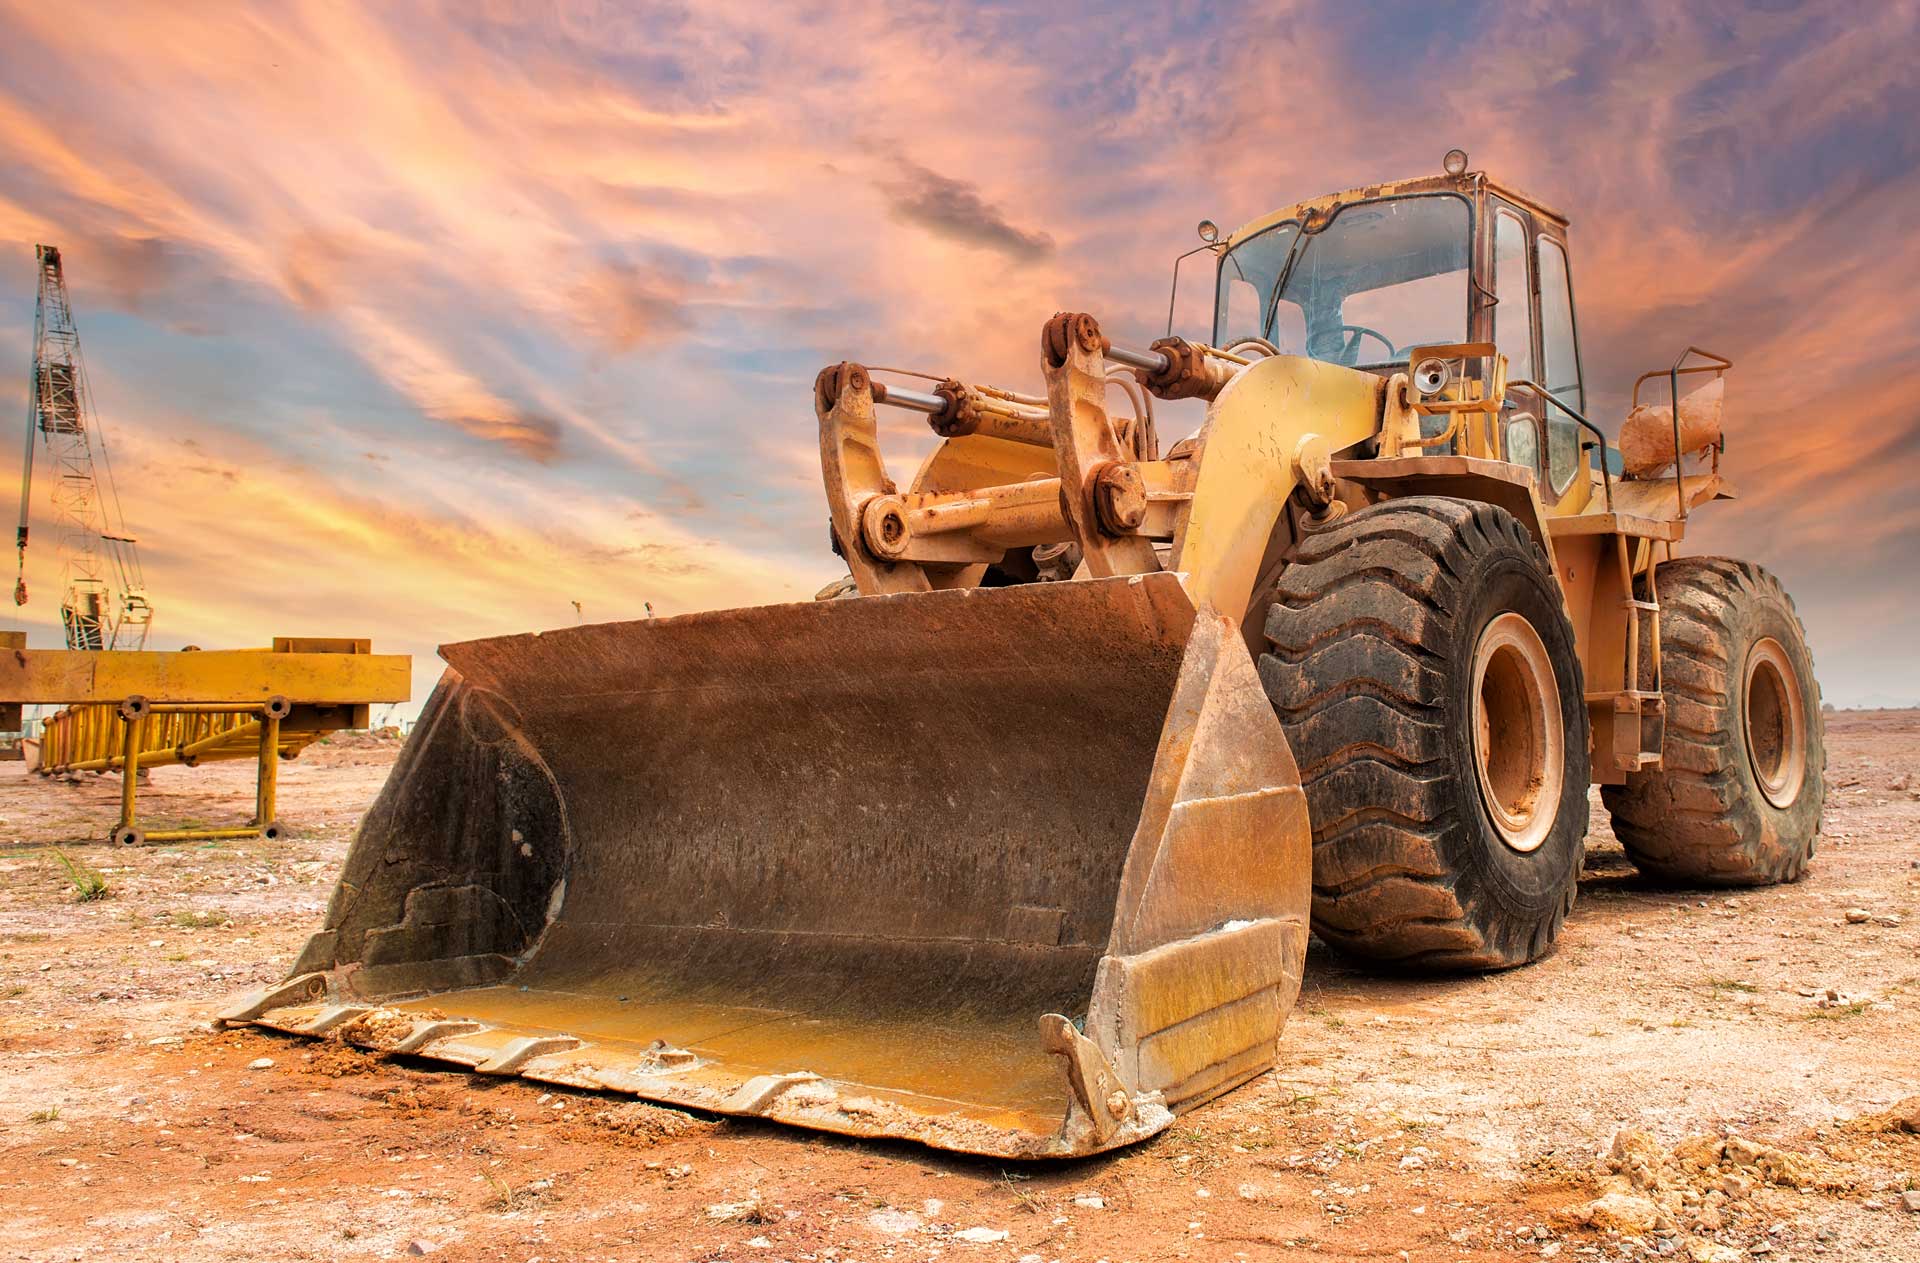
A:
x: 1350, y: 350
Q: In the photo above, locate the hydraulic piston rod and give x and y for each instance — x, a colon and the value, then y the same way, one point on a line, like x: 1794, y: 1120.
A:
x: 1145, y: 361
x: 901, y: 397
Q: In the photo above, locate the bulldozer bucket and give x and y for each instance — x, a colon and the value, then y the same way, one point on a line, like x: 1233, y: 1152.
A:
x: 1016, y: 871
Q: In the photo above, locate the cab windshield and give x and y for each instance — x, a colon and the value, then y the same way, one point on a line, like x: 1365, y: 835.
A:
x: 1381, y: 277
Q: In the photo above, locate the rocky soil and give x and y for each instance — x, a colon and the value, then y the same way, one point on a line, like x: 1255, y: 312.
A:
x: 1694, y: 1075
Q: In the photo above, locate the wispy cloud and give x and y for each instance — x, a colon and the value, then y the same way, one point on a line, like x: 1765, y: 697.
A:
x: 954, y: 209
x: 565, y: 274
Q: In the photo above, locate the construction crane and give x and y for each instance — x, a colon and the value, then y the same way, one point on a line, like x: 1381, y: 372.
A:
x: 105, y: 604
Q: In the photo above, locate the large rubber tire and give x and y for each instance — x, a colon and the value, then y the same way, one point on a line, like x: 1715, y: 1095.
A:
x: 1705, y: 817
x: 1373, y: 634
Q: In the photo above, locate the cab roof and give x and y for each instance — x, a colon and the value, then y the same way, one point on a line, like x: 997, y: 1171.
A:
x: 1466, y: 184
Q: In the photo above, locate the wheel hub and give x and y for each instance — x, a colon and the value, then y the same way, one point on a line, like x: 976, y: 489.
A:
x: 1519, y: 740
x: 1776, y: 725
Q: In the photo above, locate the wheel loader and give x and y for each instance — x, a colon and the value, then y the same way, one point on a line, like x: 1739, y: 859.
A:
x: 1014, y: 847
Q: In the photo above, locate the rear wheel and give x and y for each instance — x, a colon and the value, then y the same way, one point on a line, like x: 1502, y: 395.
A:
x: 1737, y: 801
x: 1424, y: 670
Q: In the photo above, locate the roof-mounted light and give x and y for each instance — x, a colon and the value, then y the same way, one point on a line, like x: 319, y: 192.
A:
x: 1455, y: 163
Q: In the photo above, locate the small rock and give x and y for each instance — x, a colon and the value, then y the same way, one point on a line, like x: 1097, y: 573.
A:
x: 421, y: 1247
x: 1910, y: 1201
x: 1858, y: 916
x: 266, y: 1063
x: 1699, y: 1251
x: 1623, y: 1212
x: 981, y: 1236
x: 1090, y: 1201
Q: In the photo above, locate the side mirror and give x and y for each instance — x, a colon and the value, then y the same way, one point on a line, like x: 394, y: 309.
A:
x: 1209, y: 240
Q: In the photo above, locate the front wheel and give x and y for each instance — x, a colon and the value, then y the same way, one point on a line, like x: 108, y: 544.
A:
x: 1424, y: 669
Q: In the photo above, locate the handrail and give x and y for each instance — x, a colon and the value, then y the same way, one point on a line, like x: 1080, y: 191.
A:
x: 1718, y: 368
x: 1541, y: 392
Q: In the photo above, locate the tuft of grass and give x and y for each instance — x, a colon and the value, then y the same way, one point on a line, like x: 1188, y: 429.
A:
x: 190, y: 920
x: 500, y: 1194
x: 1027, y: 1200
x: 49, y: 1115
x: 1731, y: 984
x: 1839, y: 1013
x: 88, y: 884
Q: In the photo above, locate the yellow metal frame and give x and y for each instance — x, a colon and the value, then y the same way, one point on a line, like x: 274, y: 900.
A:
x: 129, y: 710
x: 262, y: 723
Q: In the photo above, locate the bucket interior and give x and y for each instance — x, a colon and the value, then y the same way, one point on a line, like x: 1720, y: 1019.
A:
x: 872, y: 840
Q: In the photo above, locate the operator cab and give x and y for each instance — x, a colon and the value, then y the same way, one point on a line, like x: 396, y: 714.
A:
x: 1361, y: 277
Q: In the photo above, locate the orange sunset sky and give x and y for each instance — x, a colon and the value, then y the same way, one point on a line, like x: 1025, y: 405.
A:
x: 421, y: 322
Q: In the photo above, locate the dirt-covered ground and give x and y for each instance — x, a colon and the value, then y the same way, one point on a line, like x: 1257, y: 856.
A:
x: 1694, y: 1075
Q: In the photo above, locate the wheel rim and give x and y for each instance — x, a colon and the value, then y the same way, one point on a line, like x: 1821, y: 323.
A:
x: 1518, y: 737
x: 1776, y: 725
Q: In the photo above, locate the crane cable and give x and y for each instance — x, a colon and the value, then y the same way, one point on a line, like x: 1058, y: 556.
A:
x: 26, y: 489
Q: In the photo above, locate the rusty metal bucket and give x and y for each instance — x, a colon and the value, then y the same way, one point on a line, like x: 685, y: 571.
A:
x: 1016, y: 871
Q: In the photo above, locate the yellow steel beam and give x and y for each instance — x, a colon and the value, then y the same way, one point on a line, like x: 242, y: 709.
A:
x: 62, y: 676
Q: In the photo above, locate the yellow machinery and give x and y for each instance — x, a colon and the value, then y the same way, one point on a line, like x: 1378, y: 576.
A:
x: 129, y: 710
x: 1016, y: 851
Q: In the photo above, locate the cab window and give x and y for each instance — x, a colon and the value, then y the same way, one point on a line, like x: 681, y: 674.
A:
x: 1513, y: 310
x: 1560, y: 364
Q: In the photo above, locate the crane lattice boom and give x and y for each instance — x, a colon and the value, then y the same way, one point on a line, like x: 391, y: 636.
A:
x: 98, y: 563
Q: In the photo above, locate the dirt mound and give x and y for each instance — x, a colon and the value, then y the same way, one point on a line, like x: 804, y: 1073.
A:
x: 383, y: 1028
x: 1902, y: 1118
x: 339, y: 1060
x: 640, y: 1124
x: 1703, y: 1184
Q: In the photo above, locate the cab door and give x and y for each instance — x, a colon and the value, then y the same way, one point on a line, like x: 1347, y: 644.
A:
x: 1516, y: 332
x: 1558, y: 359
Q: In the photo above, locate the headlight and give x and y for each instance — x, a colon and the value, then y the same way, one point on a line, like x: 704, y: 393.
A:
x: 1430, y: 377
